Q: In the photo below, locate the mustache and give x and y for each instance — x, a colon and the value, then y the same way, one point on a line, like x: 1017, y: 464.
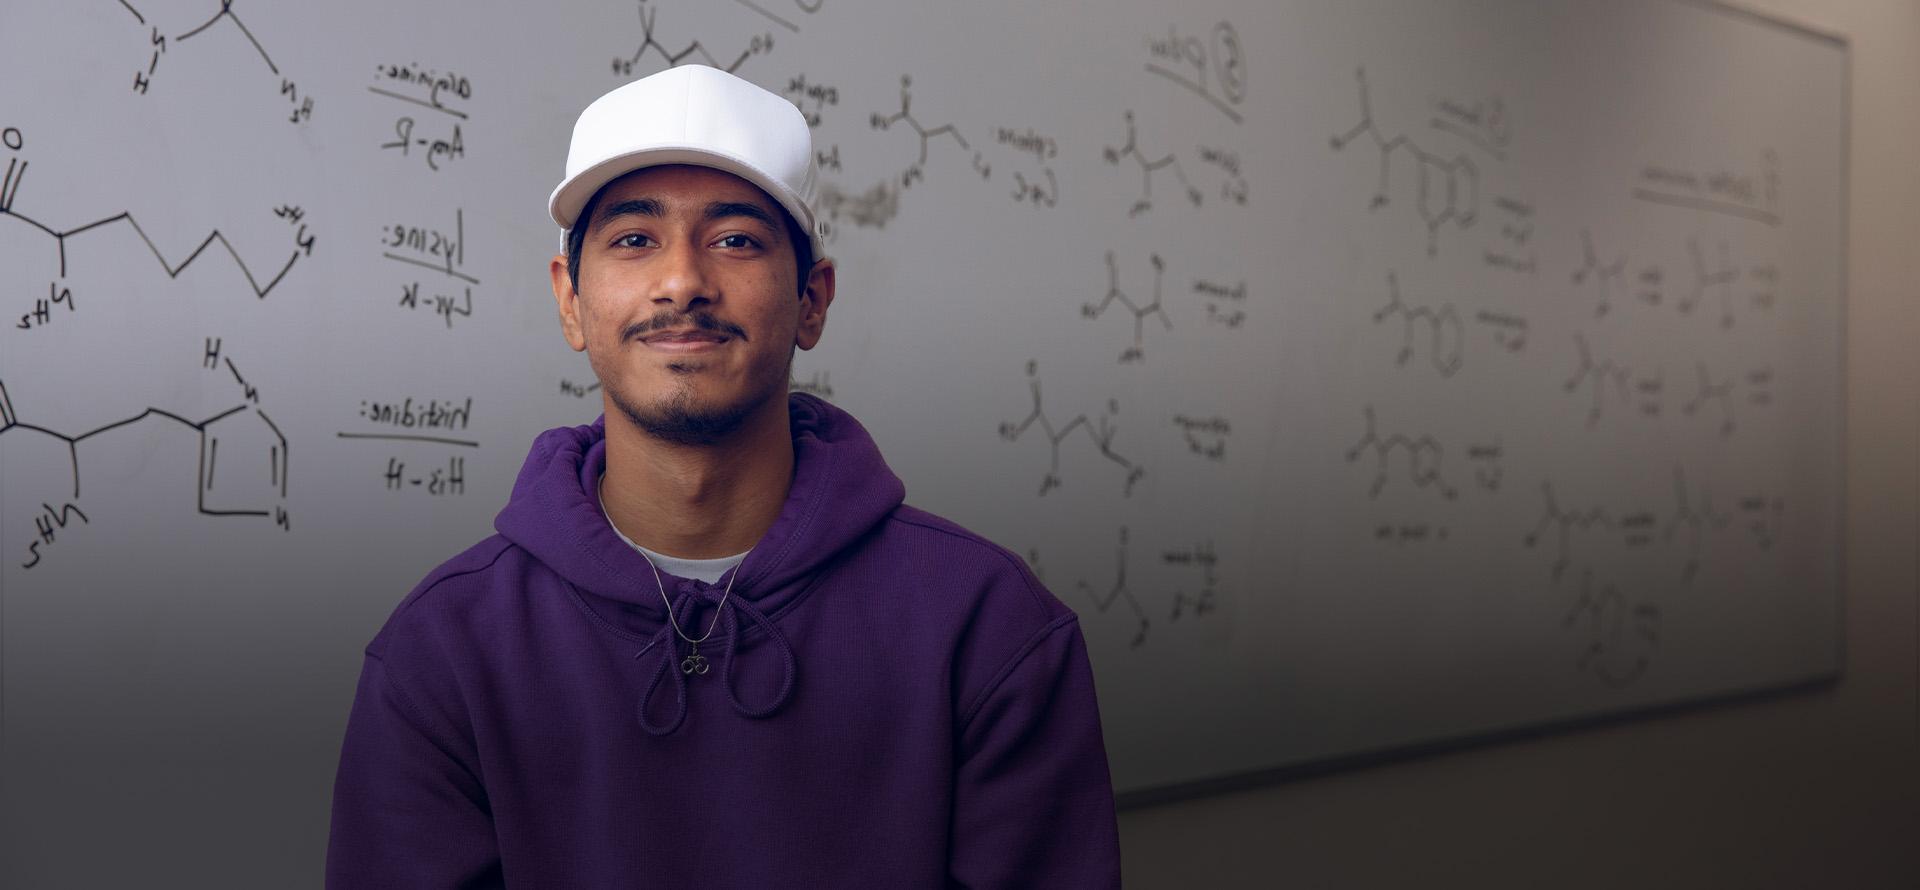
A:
x: 668, y: 319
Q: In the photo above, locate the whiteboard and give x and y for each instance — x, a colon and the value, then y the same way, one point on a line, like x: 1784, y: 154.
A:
x: 1368, y: 375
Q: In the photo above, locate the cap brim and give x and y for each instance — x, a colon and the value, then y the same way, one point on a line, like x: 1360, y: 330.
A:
x: 572, y: 195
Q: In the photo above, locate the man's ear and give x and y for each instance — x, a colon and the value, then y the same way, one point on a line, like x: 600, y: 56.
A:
x: 568, y: 302
x: 815, y: 297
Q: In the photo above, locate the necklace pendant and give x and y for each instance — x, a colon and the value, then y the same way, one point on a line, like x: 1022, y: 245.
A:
x: 694, y: 663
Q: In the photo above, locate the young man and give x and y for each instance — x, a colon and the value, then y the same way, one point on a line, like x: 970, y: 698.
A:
x: 710, y: 646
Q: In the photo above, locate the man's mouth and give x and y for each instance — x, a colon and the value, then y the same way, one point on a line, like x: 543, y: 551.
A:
x: 684, y: 340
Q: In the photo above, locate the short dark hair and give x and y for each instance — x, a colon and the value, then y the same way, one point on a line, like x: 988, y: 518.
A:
x: 577, y: 239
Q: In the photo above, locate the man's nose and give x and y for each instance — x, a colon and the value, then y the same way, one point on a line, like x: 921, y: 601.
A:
x: 684, y: 280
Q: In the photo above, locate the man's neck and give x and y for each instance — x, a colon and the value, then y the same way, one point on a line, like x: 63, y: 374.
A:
x: 698, y: 501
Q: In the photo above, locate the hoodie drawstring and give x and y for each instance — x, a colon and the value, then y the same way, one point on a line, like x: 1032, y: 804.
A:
x: 679, y: 680
x: 789, y: 666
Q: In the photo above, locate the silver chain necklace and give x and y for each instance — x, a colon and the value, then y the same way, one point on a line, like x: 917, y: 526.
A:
x: 694, y: 663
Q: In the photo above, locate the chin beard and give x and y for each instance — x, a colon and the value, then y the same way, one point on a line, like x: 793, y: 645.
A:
x: 682, y: 422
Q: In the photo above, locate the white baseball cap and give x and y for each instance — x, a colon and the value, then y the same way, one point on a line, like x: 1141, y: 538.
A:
x: 692, y: 114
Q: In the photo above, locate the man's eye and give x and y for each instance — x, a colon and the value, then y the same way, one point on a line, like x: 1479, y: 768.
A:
x: 736, y: 241
x: 633, y: 240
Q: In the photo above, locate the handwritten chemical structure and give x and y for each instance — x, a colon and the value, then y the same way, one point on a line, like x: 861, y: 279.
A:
x: 623, y: 66
x: 1564, y: 524
x: 43, y: 311
x: 879, y: 204
x: 1456, y: 204
x: 1446, y: 334
x: 216, y: 494
x: 1695, y: 514
x: 48, y: 523
x: 917, y: 170
x: 58, y: 296
x: 1608, y: 378
x: 1140, y: 311
x: 1118, y: 592
x: 1099, y: 430
x: 1131, y: 151
x: 1693, y: 519
x: 1709, y: 390
x: 1617, y: 637
x: 301, y: 103
x: 1190, y: 605
x: 1606, y: 276
x: 1720, y: 277
x: 292, y: 215
x: 1425, y: 456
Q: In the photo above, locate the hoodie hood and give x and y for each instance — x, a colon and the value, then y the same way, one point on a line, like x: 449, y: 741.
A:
x: 841, y: 489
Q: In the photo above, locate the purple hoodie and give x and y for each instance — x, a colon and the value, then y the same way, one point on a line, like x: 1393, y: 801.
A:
x: 891, y: 702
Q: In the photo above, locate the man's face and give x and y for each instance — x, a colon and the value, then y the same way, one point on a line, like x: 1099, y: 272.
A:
x: 689, y: 306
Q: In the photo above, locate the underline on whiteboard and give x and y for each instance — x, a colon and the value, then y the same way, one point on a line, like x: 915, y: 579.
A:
x: 1727, y: 207
x: 405, y: 438
x: 420, y: 102
x: 756, y: 8
x: 437, y: 268
x: 1197, y: 89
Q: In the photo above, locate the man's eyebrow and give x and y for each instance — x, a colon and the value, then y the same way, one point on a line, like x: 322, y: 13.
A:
x: 724, y: 209
x: 641, y: 206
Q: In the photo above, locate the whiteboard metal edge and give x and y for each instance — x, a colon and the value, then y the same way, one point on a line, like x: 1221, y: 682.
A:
x: 1397, y: 754
x: 1730, y: 8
